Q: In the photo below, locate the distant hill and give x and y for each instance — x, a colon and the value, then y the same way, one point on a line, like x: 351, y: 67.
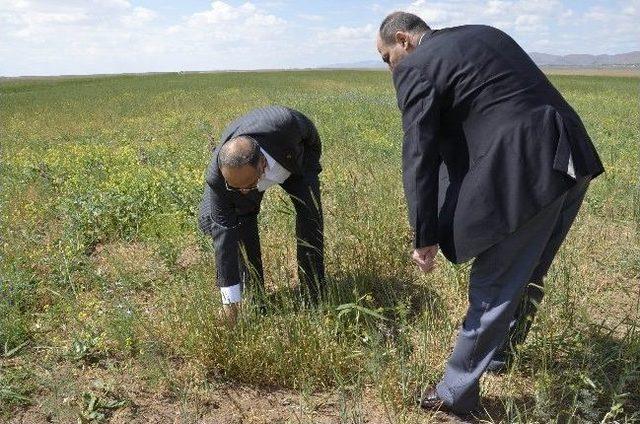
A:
x: 631, y: 60
x: 365, y: 64
x: 587, y: 60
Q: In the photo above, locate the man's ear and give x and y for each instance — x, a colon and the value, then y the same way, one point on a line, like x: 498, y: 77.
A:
x: 402, y: 38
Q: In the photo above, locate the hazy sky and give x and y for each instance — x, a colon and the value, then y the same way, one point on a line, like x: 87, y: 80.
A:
x: 51, y: 37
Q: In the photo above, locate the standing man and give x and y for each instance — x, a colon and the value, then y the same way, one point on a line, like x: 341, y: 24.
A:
x: 267, y: 146
x: 495, y: 166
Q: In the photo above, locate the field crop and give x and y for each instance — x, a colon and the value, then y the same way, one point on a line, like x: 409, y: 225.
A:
x: 108, y: 305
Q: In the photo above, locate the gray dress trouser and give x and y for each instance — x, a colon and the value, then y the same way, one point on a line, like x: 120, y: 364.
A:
x: 304, y: 191
x: 500, y: 309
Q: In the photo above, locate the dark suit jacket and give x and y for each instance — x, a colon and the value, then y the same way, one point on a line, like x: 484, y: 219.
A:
x: 285, y: 134
x: 509, y: 144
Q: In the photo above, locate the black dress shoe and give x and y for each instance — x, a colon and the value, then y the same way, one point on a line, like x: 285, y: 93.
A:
x: 430, y: 400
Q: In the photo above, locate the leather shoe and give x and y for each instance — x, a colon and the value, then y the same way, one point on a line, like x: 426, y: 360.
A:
x: 429, y: 399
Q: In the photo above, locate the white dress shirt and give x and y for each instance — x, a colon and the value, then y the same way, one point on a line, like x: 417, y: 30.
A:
x: 274, y: 173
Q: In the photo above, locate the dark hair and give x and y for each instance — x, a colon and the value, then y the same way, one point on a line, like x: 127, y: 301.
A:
x: 238, y: 152
x: 400, y: 21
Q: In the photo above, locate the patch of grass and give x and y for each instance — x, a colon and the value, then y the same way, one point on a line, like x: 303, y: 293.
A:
x: 101, y: 261
x: 16, y: 388
x: 14, y: 327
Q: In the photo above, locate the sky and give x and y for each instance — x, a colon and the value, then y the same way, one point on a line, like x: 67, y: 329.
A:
x: 60, y: 37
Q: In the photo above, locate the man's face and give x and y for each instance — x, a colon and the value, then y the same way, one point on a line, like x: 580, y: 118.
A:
x: 392, y: 54
x: 245, y: 178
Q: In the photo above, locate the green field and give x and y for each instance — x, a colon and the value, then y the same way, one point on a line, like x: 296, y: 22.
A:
x: 108, y: 305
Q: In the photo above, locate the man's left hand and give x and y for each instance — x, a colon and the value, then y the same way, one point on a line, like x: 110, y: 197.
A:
x: 425, y: 257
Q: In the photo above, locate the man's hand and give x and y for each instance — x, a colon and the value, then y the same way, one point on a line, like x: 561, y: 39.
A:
x: 425, y: 257
x: 229, y: 313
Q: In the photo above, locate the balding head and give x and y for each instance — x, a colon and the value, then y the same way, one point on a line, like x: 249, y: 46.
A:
x: 241, y: 163
x: 238, y: 152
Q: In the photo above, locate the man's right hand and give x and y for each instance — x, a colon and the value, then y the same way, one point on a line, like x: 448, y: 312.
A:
x: 425, y: 257
x: 229, y: 313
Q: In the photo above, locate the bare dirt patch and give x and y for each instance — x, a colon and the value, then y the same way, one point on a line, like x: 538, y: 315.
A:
x: 190, y: 256
x: 63, y: 400
x: 133, y: 261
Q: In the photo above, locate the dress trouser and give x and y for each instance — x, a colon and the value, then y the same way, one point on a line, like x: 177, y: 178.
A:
x: 304, y: 191
x: 497, y: 285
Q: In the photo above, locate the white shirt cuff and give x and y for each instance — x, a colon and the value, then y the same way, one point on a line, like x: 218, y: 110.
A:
x: 231, y: 294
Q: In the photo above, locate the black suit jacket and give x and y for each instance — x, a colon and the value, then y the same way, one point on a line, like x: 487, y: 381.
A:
x: 285, y: 134
x: 488, y: 141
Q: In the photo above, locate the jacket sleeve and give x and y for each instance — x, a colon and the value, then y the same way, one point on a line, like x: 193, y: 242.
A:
x: 419, y: 104
x: 223, y: 223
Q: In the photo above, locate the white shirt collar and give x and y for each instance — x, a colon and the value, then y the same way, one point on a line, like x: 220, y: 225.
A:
x: 274, y: 173
x: 271, y: 162
x: 421, y: 37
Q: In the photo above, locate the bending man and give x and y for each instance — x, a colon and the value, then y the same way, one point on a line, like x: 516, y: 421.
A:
x: 267, y: 146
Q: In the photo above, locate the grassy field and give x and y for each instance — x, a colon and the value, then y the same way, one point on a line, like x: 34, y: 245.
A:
x: 108, y: 309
